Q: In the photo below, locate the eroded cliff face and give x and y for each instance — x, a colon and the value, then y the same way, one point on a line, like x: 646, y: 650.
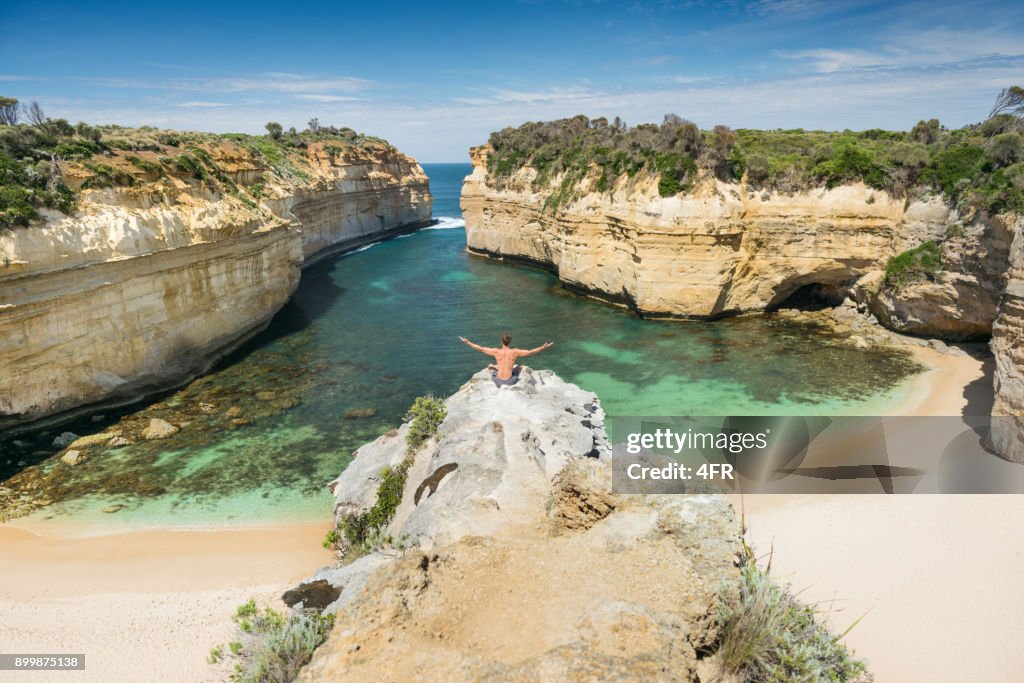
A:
x: 362, y: 197
x: 721, y: 249
x: 957, y: 303
x: 148, y: 285
x: 512, y: 560
x: 1007, y: 437
x: 725, y: 248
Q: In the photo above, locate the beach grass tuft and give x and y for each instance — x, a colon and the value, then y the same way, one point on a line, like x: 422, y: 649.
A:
x: 769, y: 635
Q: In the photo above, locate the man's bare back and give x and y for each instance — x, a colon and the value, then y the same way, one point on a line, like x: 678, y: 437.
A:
x: 505, y: 356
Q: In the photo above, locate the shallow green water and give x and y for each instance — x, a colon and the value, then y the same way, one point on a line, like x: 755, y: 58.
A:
x: 377, y: 328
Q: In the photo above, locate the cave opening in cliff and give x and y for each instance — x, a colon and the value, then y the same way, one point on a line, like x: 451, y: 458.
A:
x: 813, y: 296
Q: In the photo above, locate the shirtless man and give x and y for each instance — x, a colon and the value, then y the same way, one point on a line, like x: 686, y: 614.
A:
x: 506, y: 372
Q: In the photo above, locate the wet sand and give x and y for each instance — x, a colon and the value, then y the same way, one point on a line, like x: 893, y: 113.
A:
x: 952, y: 385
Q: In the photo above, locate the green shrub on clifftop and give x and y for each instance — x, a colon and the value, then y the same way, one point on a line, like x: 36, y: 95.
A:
x: 363, y: 530
x: 34, y: 158
x: 971, y: 165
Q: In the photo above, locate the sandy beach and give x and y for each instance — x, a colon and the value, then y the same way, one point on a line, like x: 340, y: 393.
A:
x: 951, y: 385
x: 932, y: 574
x: 144, y: 605
x: 926, y: 572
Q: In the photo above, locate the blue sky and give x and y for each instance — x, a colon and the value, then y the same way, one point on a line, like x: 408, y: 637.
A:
x: 436, y: 77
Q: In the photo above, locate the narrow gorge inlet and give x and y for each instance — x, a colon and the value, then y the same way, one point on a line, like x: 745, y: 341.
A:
x: 534, y: 342
x: 336, y: 369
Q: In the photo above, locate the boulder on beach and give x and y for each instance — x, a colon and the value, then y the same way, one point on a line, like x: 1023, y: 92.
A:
x: 64, y: 440
x: 93, y: 439
x: 72, y: 457
x: 159, y: 429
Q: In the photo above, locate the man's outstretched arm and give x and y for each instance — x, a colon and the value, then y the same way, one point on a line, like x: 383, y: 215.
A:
x: 481, y: 349
x: 521, y: 353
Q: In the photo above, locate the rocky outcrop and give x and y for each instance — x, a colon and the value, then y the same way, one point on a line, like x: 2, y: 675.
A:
x: 148, y: 285
x: 959, y: 302
x: 1007, y: 435
x: 721, y: 249
x: 510, y: 559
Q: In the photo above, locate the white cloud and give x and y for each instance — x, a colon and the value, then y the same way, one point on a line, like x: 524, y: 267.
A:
x: 765, y: 7
x: 201, y: 105
x: 830, y: 61
x: 268, y: 82
x: 916, y: 48
x: 554, y: 94
x: 686, y: 80
x: 308, y: 97
x: 893, y: 99
x: 905, y: 75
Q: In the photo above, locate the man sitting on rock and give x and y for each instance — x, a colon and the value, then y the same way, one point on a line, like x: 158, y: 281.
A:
x: 506, y: 372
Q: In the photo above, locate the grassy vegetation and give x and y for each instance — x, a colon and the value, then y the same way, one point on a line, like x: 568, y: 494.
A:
x: 36, y: 151
x: 914, y: 265
x: 769, y: 635
x: 364, y: 531
x: 30, y: 176
x: 979, y: 166
x: 272, y: 647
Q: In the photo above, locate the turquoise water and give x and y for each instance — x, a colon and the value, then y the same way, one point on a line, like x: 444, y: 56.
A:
x: 368, y: 332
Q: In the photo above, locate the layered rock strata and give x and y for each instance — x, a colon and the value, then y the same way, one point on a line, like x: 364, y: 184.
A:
x: 721, y: 249
x: 725, y: 248
x: 146, y: 286
x: 509, y: 558
x: 1007, y: 436
x: 958, y: 302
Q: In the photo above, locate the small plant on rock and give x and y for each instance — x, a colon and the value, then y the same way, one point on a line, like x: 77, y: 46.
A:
x: 364, y: 531
x: 272, y: 647
x: 425, y: 416
x: 768, y: 635
x: 914, y: 265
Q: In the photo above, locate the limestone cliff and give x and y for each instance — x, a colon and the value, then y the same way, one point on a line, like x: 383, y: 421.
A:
x: 1008, y: 346
x: 509, y: 558
x: 726, y: 248
x: 958, y: 302
x: 722, y: 248
x: 153, y: 279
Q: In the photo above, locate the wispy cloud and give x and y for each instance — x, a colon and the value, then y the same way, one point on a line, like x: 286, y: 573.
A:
x: 853, y: 99
x: 201, y: 105
x: 554, y: 94
x: 688, y: 80
x: 938, y: 46
x: 268, y: 82
x: 830, y: 61
x: 655, y: 61
x: 766, y: 7
x: 309, y: 97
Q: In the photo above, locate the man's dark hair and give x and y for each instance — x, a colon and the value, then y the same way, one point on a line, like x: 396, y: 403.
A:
x: 506, y: 338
